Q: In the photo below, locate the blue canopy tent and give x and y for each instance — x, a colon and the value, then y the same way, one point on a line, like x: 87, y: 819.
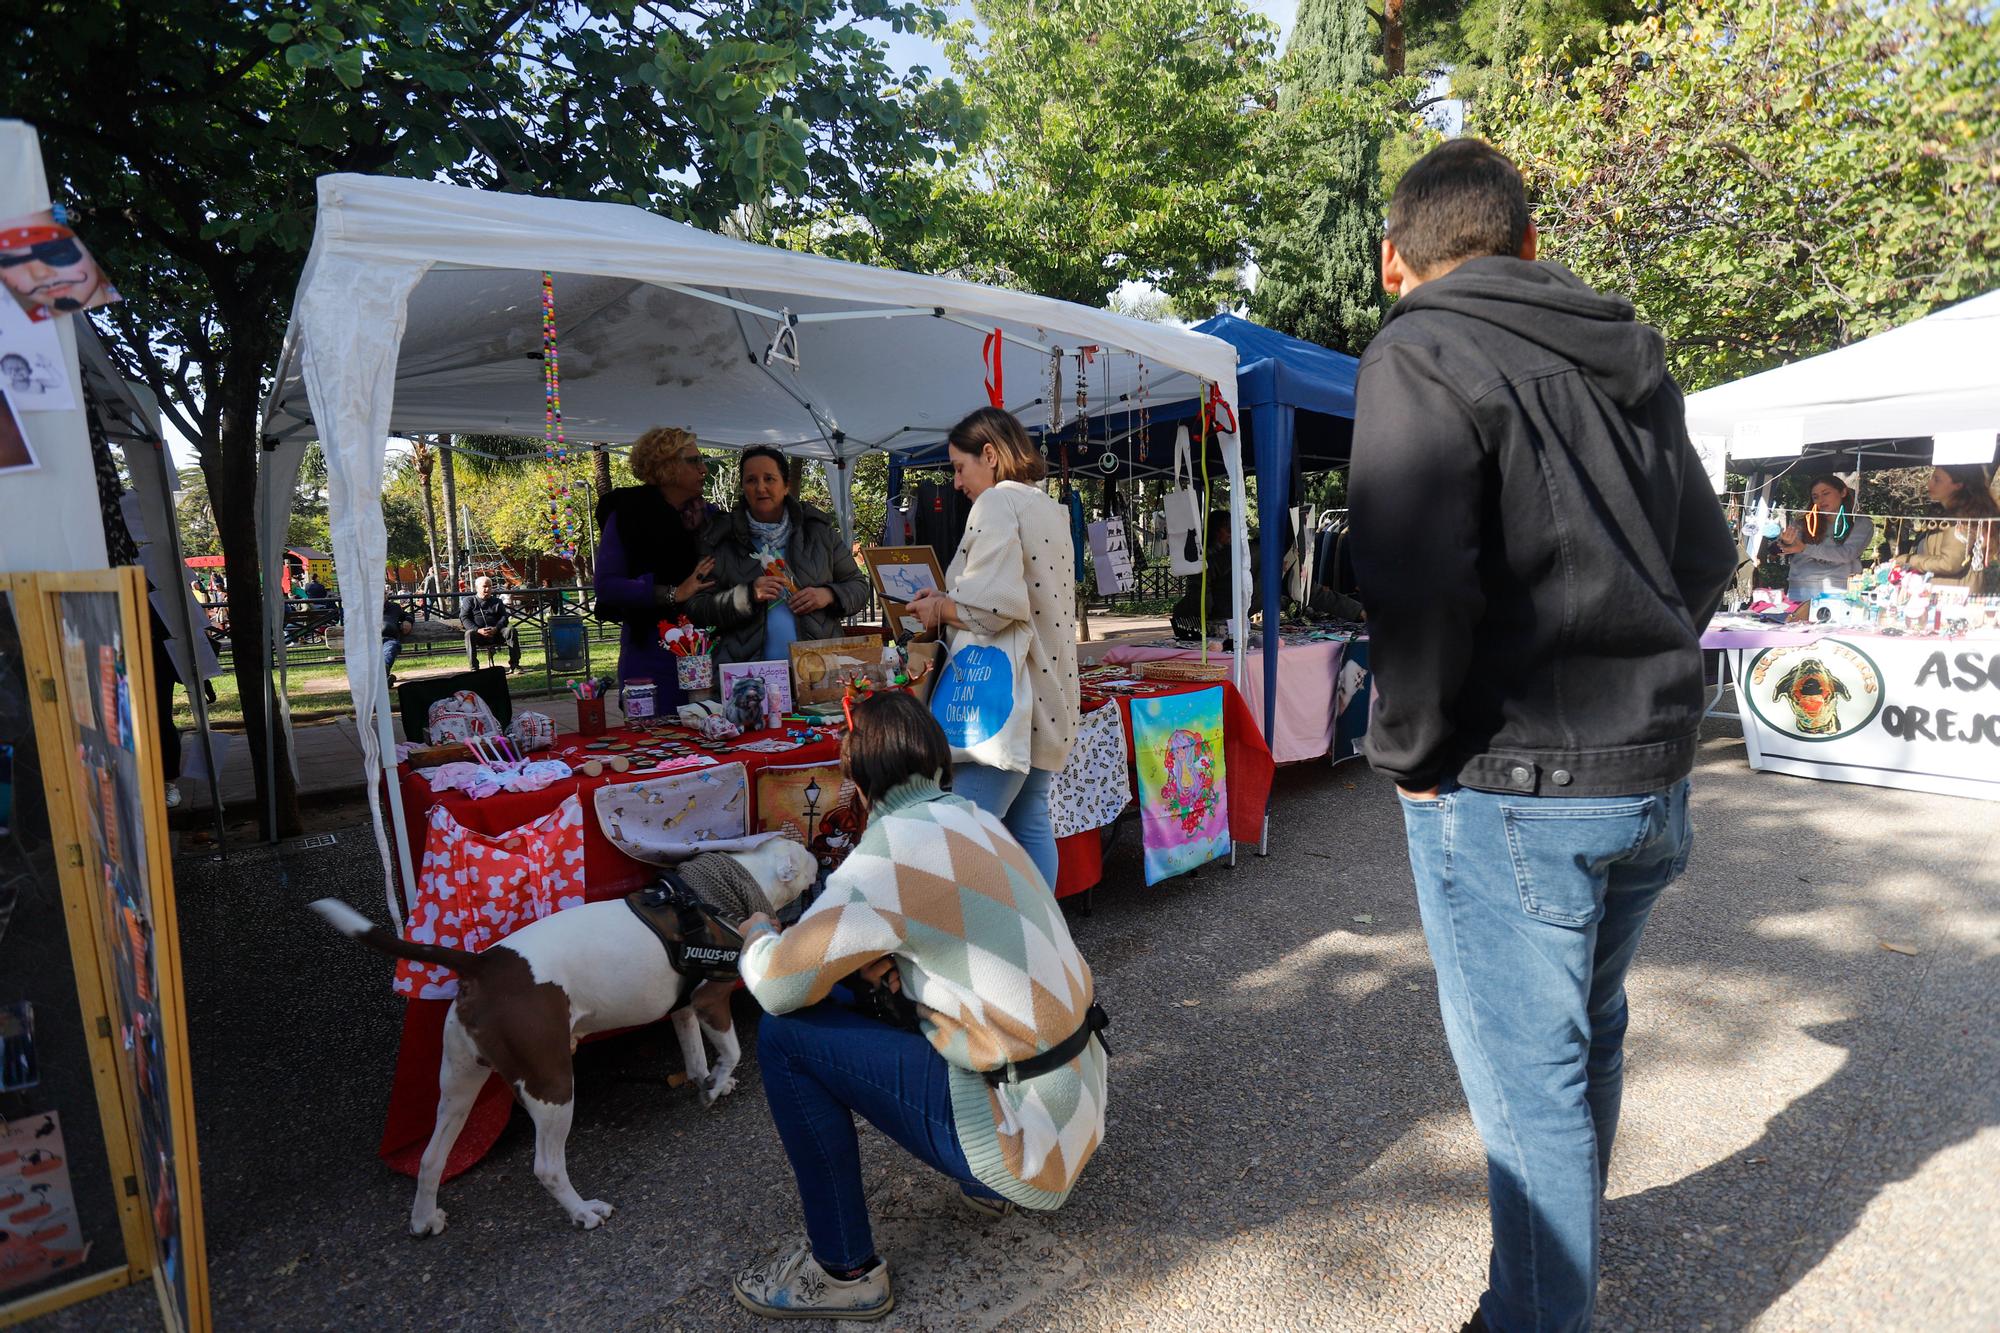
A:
x: 1297, y: 404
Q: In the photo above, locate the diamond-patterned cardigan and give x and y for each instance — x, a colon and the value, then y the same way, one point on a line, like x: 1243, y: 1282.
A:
x: 984, y: 952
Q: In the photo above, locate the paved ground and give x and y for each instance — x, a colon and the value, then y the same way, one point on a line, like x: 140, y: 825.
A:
x: 1810, y: 1136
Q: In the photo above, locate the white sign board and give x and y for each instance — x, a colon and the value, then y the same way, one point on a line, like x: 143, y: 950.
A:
x: 1919, y: 714
x: 1713, y: 451
x: 1782, y: 438
x: 1110, y: 559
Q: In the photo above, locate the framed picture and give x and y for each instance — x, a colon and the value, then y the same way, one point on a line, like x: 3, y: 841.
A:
x: 899, y: 574
x: 821, y: 667
x: 750, y: 690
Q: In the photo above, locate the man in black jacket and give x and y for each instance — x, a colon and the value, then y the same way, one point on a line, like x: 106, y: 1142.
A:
x: 488, y: 625
x: 1538, y: 549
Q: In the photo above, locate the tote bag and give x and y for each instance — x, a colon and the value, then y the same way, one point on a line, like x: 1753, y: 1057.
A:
x: 1183, y: 510
x: 983, y: 700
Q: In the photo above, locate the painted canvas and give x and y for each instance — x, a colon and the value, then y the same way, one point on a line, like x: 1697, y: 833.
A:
x: 1183, y: 787
x: 751, y: 689
x: 812, y: 803
x: 821, y: 668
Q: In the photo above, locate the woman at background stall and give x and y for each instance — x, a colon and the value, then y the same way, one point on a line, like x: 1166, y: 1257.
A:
x: 648, y: 564
x: 1824, y: 548
x: 1015, y: 566
x: 990, y: 1074
x: 1961, y: 553
x: 782, y: 571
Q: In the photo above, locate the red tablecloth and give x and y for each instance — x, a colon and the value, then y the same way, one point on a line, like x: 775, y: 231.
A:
x: 609, y: 873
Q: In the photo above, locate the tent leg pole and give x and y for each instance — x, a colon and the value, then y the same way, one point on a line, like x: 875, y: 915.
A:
x: 398, y: 821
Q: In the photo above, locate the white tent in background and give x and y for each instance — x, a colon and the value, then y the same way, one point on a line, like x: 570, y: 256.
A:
x: 420, y: 311
x: 1937, y: 376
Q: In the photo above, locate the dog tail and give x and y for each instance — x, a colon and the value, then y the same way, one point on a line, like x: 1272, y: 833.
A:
x: 358, y: 927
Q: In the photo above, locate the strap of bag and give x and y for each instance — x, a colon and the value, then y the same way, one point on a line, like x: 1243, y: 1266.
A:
x: 1182, y: 458
x: 1095, y: 1021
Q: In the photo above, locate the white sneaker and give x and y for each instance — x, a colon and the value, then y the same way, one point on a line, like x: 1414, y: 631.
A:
x: 791, y: 1285
x: 173, y: 797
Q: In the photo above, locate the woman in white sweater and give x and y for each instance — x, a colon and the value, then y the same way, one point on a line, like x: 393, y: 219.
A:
x: 1015, y: 566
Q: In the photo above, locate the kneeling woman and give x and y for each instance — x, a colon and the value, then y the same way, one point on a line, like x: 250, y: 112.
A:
x: 897, y: 914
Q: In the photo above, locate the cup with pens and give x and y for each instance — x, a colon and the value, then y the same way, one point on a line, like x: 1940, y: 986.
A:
x: 590, y: 705
x: 694, y: 656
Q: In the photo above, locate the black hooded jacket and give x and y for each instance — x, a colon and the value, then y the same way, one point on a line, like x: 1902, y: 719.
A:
x: 1534, y: 537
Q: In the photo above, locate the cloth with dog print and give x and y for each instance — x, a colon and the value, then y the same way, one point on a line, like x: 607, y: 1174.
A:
x: 461, y: 715
x: 982, y: 948
x: 661, y: 820
x: 476, y: 889
x: 1095, y: 784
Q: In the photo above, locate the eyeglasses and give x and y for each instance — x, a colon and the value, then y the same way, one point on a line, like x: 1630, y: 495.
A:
x: 693, y: 460
x: 63, y: 250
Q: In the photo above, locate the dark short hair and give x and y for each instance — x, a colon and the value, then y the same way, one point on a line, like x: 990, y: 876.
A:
x: 1019, y: 459
x: 893, y: 738
x: 1462, y: 200
x: 761, y: 451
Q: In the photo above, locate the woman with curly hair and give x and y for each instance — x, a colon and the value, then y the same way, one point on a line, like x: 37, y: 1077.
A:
x: 648, y: 562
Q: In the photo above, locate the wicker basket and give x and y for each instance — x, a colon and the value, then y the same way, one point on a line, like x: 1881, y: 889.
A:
x: 1180, y: 668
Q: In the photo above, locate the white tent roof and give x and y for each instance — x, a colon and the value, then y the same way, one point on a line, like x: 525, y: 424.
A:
x: 1935, y: 376
x: 886, y: 359
x: 420, y: 310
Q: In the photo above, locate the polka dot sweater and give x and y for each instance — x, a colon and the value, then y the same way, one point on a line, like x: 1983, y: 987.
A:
x: 1014, y: 566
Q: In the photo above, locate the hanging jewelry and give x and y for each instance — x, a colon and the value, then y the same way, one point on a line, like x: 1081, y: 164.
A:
x: 561, y: 511
x: 1843, y: 523
x: 1055, y: 394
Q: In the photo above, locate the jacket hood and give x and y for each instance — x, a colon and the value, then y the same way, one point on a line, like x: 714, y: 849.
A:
x: 1550, y: 307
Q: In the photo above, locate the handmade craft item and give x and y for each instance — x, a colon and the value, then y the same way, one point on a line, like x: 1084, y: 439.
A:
x: 475, y: 889
x: 456, y: 718
x: 664, y: 819
x: 755, y: 694
x: 821, y: 668
x: 1177, y: 743
x: 1095, y: 784
x: 532, y: 731
x: 812, y: 803
x: 900, y: 573
x: 559, y: 466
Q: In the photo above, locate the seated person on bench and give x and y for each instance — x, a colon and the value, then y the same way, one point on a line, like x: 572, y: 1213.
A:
x: 487, y: 625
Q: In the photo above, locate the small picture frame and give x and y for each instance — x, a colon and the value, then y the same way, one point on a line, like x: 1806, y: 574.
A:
x: 899, y: 573
x: 769, y: 684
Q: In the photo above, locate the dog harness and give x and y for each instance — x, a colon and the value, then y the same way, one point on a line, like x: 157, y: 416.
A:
x: 699, y: 944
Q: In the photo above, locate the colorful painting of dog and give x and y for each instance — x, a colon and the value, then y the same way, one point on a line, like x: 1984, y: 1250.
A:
x: 751, y: 689
x: 1183, y: 781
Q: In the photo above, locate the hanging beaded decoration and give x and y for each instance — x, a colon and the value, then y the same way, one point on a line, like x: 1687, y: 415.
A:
x: 555, y: 451
x: 1055, y: 398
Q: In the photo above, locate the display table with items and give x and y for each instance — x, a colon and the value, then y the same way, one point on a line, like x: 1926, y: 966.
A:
x: 503, y: 835
x: 1909, y: 701
x: 1319, y: 677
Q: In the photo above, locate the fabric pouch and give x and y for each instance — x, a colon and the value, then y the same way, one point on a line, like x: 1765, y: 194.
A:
x: 668, y: 819
x: 458, y: 717
x: 983, y: 700
x: 1185, y: 540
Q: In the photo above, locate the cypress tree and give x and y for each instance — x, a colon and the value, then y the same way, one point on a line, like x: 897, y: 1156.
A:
x: 1319, y: 268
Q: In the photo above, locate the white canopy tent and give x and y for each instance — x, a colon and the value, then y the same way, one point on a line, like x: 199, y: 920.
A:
x: 420, y: 311
x: 1937, y: 376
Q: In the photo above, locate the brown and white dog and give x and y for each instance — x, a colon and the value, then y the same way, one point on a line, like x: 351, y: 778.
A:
x: 524, y: 1003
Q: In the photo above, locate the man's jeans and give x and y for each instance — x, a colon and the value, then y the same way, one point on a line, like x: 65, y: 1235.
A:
x: 1533, y: 908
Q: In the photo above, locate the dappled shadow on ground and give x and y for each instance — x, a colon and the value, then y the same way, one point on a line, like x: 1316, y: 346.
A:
x: 1288, y: 1145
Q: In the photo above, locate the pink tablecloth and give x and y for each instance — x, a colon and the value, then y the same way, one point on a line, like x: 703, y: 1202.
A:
x: 1308, y: 682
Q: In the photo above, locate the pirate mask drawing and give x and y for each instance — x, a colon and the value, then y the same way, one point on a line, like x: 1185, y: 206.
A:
x: 1814, y: 694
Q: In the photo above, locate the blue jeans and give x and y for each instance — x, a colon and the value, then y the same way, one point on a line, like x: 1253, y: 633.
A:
x: 390, y: 648
x: 1533, y: 908
x: 1018, y: 800
x: 823, y: 1064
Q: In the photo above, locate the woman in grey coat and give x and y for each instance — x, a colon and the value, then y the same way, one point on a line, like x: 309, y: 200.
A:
x: 783, y: 572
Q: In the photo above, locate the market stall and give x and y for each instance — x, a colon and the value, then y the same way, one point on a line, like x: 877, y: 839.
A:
x: 789, y: 779
x: 1850, y: 704
x: 432, y: 308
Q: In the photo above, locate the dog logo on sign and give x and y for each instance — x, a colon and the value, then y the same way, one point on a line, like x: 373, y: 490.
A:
x: 1818, y: 691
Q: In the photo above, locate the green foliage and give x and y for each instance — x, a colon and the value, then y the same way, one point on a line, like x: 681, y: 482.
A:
x: 1320, y: 254
x: 1481, y: 43
x: 1767, y: 182
x: 1117, y: 145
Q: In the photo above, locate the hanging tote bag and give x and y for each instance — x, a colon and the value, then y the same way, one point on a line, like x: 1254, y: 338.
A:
x: 983, y: 700
x: 1183, y: 511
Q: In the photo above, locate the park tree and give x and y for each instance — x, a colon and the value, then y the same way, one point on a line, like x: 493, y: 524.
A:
x: 1766, y: 182
x: 1117, y: 144
x: 1319, y: 258
x: 186, y: 137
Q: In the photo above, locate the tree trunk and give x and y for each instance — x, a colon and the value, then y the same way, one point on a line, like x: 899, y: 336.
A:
x: 1392, y: 37
x: 426, y: 460
x: 231, y: 467
x: 453, y: 538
